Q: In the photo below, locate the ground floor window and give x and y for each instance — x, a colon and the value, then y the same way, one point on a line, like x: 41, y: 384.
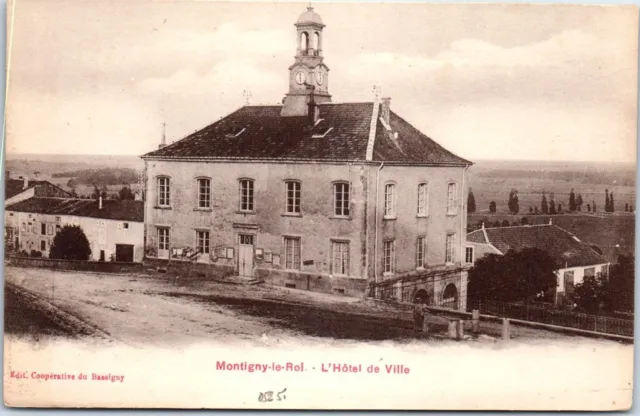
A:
x: 163, y: 239
x: 292, y: 253
x: 202, y: 242
x: 340, y: 257
x: 389, y: 257
x: 43, y: 245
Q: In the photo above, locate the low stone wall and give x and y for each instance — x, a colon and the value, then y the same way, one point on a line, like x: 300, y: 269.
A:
x: 91, y: 266
x: 188, y: 269
x: 313, y: 282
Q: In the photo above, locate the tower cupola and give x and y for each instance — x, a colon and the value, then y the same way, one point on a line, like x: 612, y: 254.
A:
x: 308, y: 74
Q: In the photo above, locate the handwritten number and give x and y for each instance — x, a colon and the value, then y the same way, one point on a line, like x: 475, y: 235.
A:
x: 267, y: 396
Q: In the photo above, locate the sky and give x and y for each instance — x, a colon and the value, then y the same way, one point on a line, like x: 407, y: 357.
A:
x: 534, y: 82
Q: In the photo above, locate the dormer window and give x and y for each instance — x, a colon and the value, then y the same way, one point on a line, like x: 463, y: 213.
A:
x: 323, y: 134
x: 235, y: 132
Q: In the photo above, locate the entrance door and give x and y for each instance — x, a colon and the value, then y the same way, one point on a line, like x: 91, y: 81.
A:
x: 245, y: 255
x: 124, y: 252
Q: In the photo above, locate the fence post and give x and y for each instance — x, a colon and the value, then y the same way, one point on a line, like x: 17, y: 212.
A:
x: 453, y: 333
x: 505, y: 329
x: 475, y: 321
x: 460, y: 330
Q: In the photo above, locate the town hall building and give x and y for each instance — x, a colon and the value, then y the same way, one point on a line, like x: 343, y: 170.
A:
x: 310, y: 194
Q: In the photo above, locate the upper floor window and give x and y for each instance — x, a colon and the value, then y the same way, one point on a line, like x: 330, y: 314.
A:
x: 204, y: 193
x: 390, y: 200
x: 421, y: 249
x: 43, y: 229
x: 341, y: 199
x: 292, y: 197
x: 246, y: 195
x: 468, y: 256
x: 163, y: 192
x: 452, y: 198
x: 389, y: 257
x: 423, y: 199
x: 50, y: 229
x: 450, y: 244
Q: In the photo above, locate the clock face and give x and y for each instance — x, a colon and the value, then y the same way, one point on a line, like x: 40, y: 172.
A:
x: 320, y: 77
x: 300, y: 77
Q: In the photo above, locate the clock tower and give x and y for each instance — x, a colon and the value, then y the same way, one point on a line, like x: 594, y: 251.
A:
x: 308, y: 76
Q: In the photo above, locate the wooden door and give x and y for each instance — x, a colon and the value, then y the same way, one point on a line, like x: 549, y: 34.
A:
x: 245, y: 255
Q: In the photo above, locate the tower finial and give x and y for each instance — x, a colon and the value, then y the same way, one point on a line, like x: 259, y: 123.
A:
x: 163, y: 140
x: 247, y: 97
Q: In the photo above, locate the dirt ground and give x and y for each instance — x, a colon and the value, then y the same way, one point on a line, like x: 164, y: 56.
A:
x: 142, y: 309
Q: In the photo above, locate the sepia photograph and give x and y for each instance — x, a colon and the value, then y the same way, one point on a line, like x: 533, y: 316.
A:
x: 316, y: 205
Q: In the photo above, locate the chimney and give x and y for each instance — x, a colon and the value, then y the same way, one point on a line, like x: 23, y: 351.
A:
x: 35, y: 175
x: 384, y: 109
x: 100, y: 202
x: 550, y: 221
x: 26, y: 182
x: 163, y: 141
x: 313, y: 111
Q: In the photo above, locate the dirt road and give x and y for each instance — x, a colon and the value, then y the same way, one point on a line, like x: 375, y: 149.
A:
x: 143, y: 309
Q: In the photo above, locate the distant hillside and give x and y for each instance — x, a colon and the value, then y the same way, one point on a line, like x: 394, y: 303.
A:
x: 106, y: 176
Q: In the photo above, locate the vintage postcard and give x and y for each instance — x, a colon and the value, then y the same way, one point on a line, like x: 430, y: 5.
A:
x: 282, y: 205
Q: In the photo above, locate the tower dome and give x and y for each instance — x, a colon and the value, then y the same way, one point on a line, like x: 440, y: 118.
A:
x: 309, y: 17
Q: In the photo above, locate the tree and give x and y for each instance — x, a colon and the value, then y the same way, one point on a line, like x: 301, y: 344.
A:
x: 505, y: 223
x: 126, y: 194
x: 471, y: 201
x: 559, y: 210
x: 530, y: 209
x: 606, y: 200
x: 513, y: 205
x: 524, y: 221
x: 572, y: 201
x: 70, y: 243
x: 96, y: 192
x: 552, y: 204
x: 103, y: 192
x: 544, y: 206
x: 593, y: 206
x: 591, y: 293
x: 579, y: 202
x: 626, y: 207
x: 611, y: 202
x: 492, y: 207
x: 621, y: 283
x: 71, y: 183
x: 516, y: 276
x: 588, y: 208
x: 535, y: 210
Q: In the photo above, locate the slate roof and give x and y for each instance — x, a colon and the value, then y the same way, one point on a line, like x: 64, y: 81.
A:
x: 267, y: 135
x: 563, y: 246
x: 111, y: 209
x: 13, y: 187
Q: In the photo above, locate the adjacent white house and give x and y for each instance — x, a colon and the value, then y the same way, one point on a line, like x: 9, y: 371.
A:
x: 115, y: 229
x: 574, y: 259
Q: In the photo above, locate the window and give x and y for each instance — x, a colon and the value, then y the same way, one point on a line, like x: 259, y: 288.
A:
x: 292, y: 253
x: 58, y: 219
x: 24, y: 227
x: 292, y: 191
x: 246, y: 195
x: 204, y: 193
x: 449, y: 249
x: 390, y: 201
x: 389, y: 257
x: 125, y: 225
x: 340, y: 257
x: 590, y: 272
x: 202, y: 242
x: 43, y: 229
x: 341, y: 199
x: 452, y: 207
x: 421, y: 248
x: 58, y: 228
x: 423, y: 199
x: 43, y: 245
x: 50, y: 229
x: 163, y: 192
x: 468, y: 255
x: 163, y: 239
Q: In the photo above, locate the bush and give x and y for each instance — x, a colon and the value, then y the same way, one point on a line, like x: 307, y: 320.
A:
x: 70, y: 243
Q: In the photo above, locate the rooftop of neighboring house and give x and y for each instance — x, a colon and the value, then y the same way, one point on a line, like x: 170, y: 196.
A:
x: 111, y: 209
x: 341, y: 132
x: 13, y: 187
x: 565, y: 248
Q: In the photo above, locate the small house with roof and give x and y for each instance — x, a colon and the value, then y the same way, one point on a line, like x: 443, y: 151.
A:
x: 311, y: 194
x: 574, y: 259
x: 114, y: 228
x: 19, y: 189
